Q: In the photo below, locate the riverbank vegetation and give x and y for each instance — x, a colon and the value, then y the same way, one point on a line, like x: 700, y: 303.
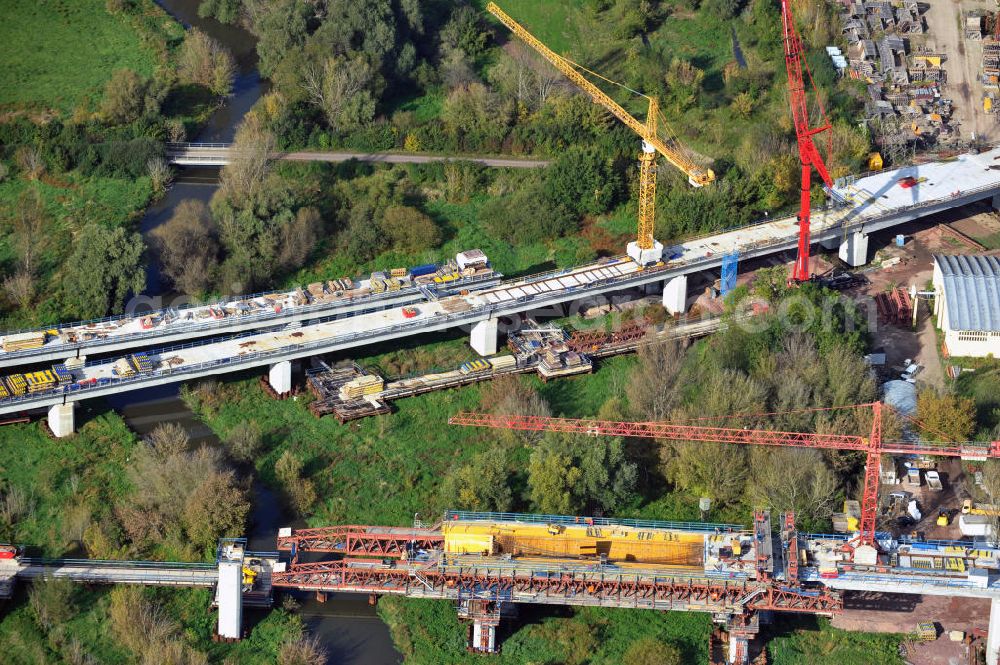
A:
x: 446, y: 77
x: 82, y: 131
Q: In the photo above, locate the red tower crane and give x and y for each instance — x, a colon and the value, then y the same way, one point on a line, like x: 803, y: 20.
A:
x: 872, y: 446
x: 809, y: 155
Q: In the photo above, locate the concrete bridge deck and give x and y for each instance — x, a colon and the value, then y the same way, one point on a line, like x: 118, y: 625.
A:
x: 866, y: 205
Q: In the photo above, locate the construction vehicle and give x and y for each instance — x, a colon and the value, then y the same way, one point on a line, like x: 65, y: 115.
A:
x: 410, y: 312
x: 249, y: 578
x: 654, y: 133
x: 942, y: 518
x: 809, y: 155
x: 971, y: 508
x: 933, y: 479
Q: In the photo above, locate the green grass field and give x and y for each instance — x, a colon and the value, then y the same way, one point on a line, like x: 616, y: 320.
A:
x: 59, y: 53
x: 560, y: 24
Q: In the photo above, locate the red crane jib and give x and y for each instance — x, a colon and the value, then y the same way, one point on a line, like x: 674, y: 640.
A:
x: 872, y: 446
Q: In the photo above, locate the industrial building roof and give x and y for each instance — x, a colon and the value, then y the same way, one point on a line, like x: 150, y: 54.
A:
x: 971, y: 290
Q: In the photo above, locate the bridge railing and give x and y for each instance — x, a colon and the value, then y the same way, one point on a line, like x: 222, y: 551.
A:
x: 210, y: 324
x: 532, y: 518
x: 174, y: 145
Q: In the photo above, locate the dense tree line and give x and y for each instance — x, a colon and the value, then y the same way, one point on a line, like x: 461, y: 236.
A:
x: 732, y: 380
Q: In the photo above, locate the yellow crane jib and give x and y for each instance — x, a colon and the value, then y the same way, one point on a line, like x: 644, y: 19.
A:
x: 652, y: 143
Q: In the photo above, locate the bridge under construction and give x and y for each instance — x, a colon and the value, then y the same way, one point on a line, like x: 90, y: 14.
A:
x: 486, y: 563
x: 270, y: 330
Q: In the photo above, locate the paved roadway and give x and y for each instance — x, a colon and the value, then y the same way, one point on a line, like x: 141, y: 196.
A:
x: 217, y: 154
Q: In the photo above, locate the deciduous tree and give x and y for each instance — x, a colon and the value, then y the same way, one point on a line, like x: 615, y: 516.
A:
x: 205, y: 62
x: 945, y: 416
x: 187, y: 246
x: 409, y: 229
x: 104, y: 268
x: 339, y: 87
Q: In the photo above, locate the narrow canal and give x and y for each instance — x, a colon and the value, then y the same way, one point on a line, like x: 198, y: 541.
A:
x: 346, y: 625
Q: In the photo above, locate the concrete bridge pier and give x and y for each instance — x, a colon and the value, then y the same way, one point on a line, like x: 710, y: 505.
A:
x: 484, y: 636
x: 993, y: 637
x: 996, y: 202
x: 675, y: 294
x: 280, y: 377
x: 483, y: 338
x: 229, y: 592
x: 854, y: 249
x: 61, y: 421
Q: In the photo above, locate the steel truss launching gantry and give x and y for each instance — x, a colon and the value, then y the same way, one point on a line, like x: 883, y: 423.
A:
x: 645, y: 249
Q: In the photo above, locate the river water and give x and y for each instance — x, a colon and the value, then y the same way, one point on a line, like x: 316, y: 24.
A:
x: 347, y: 626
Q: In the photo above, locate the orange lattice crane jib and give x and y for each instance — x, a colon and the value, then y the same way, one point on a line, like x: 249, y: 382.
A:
x: 645, y: 249
x: 873, y: 446
x: 809, y: 155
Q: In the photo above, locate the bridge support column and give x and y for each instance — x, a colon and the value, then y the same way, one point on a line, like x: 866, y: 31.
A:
x: 484, y: 636
x: 675, y: 294
x: 280, y: 377
x: 993, y: 637
x: 484, y: 337
x: 854, y: 249
x: 996, y: 202
x: 61, y: 422
x: 229, y: 592
x: 739, y: 649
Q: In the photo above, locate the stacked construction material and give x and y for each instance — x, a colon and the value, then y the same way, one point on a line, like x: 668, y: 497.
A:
x: 361, y: 387
x: 894, y: 306
x: 141, y: 363
x: 23, y: 341
x: 40, y: 381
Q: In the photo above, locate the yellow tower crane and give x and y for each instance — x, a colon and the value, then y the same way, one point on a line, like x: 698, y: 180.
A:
x: 645, y: 249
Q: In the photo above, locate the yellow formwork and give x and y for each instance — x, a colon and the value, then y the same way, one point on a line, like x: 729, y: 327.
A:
x: 616, y: 543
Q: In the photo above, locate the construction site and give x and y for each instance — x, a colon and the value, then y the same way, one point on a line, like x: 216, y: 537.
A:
x: 912, y: 549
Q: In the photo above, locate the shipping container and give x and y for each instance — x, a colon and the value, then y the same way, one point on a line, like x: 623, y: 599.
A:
x: 426, y: 269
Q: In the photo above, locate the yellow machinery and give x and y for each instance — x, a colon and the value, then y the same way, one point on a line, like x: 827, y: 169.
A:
x: 613, y: 543
x: 249, y: 578
x: 652, y: 143
x: 970, y: 508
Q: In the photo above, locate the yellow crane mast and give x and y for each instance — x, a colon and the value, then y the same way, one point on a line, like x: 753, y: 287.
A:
x: 645, y: 250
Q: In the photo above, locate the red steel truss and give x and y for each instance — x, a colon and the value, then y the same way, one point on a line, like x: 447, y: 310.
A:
x: 375, y: 541
x: 792, y: 553
x: 558, y: 587
x: 872, y: 446
x: 662, y: 431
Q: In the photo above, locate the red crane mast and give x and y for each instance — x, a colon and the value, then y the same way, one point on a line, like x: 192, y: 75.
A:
x: 809, y: 155
x: 872, y: 446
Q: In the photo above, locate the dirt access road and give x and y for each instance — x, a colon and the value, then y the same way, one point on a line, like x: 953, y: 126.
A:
x: 397, y: 158
x: 963, y: 59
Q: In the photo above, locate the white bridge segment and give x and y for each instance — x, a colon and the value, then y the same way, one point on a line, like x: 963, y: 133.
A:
x: 875, y: 202
x: 119, y: 333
